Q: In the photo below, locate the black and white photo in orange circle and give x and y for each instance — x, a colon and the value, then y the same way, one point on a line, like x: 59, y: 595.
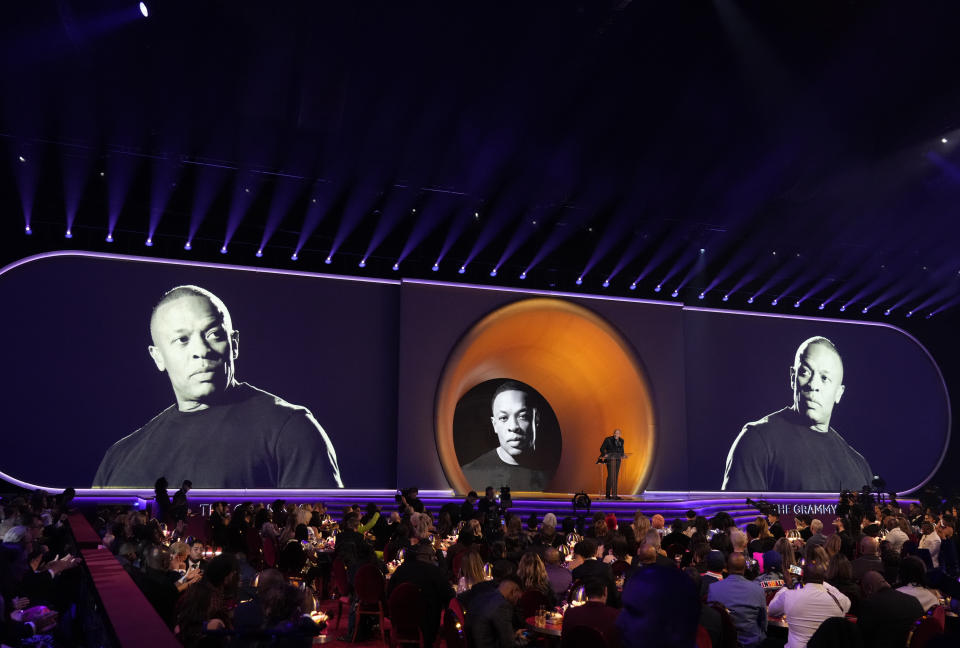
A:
x: 506, y: 434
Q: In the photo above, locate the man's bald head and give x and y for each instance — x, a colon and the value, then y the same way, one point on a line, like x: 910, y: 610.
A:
x: 816, y: 379
x: 647, y: 554
x: 872, y: 582
x: 188, y: 290
x: 869, y: 546
x: 195, y: 344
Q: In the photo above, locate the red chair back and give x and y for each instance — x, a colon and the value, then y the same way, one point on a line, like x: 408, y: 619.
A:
x: 530, y: 602
x: 703, y: 638
x: 389, y: 552
x: 369, y: 585
x: 728, y: 636
x: 407, y: 610
x: 270, y: 552
x: 925, y: 629
x: 457, y: 609
x: 254, y: 546
x: 619, y: 567
x: 338, y: 577
x: 454, y: 630
x: 457, y: 562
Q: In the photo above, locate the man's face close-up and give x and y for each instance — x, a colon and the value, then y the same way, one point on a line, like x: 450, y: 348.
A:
x: 192, y: 344
x: 512, y: 421
x: 817, y: 383
x: 196, y: 551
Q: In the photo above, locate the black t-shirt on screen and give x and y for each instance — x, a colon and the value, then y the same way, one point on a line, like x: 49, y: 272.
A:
x: 252, y: 440
x: 781, y: 453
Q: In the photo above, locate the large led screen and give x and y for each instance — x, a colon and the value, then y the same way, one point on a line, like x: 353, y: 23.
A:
x: 794, y: 404
x: 122, y: 370
x: 520, y: 389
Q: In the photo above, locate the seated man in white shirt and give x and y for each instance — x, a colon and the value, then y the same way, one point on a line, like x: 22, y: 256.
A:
x: 913, y: 576
x: 806, y: 608
x: 931, y: 541
x: 895, y: 535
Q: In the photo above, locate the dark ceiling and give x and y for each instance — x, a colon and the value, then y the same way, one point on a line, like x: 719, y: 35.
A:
x: 797, y: 144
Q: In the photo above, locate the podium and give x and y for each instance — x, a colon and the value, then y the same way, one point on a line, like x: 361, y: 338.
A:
x: 604, y: 465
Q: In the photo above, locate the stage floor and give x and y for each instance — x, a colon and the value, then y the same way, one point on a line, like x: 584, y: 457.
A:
x: 670, y: 505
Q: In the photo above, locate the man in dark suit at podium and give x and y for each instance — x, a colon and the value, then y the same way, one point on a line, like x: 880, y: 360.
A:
x: 611, y: 453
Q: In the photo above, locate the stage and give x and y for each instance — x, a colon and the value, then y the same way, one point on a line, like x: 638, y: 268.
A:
x: 669, y: 504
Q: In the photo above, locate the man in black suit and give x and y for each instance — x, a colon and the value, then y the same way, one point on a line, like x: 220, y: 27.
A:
x: 869, y: 559
x: 595, y: 613
x: 467, y: 511
x: 611, y: 452
x: 592, y: 569
x: 490, y: 616
x: 886, y: 615
x: 434, y: 586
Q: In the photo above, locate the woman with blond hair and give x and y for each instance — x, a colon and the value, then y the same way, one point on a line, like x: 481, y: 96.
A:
x: 471, y: 571
x: 533, y: 575
x: 834, y: 545
x: 637, y: 531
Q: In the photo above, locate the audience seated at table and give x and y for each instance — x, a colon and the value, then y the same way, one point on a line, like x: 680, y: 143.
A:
x: 209, y: 580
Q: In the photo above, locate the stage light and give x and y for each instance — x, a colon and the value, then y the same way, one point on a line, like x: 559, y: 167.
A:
x: 821, y: 306
x: 21, y: 158
x: 700, y: 296
x: 69, y: 234
x: 886, y: 312
x: 109, y: 238
x: 943, y: 140
x: 101, y: 174
x: 143, y: 10
x: 396, y: 266
x: 523, y: 275
x: 843, y: 308
x: 476, y: 215
x: 579, y: 280
x: 796, y: 304
x: 633, y: 286
x: 27, y: 230
x: 703, y: 250
x: 726, y: 298
x: 294, y: 256
x: 909, y: 313
x: 750, y: 300
x: 413, y: 211
x: 187, y: 246
x: 149, y: 242
x: 363, y: 263
x: 929, y: 315
x: 260, y: 253
x: 493, y: 273
x: 435, y: 267
x: 656, y: 288
x: 606, y: 283
x: 864, y: 311
x: 462, y: 270
x: 223, y: 249
x: 675, y: 294
x: 776, y: 300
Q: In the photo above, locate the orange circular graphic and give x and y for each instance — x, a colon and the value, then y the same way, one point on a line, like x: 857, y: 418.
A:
x: 580, y: 364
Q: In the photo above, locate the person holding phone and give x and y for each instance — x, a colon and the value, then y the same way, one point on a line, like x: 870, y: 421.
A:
x: 515, y: 461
